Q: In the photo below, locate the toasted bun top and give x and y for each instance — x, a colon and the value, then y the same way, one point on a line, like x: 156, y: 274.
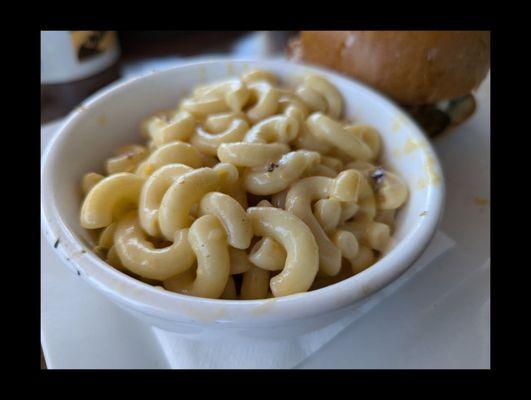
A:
x: 412, y: 67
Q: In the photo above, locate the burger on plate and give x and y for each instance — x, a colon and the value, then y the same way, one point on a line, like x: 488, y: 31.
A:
x: 431, y: 74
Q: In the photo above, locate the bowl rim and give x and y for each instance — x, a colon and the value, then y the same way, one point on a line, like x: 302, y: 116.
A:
x: 150, y: 300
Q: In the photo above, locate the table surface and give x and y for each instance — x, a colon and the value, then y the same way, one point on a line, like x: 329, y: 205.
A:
x: 59, y: 100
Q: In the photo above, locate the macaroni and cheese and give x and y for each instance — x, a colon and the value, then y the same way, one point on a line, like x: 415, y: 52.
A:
x: 246, y: 190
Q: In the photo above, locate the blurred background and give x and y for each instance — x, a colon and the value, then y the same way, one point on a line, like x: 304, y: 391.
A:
x: 74, y: 64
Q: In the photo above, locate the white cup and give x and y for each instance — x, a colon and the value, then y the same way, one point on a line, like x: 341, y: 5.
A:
x: 72, y: 55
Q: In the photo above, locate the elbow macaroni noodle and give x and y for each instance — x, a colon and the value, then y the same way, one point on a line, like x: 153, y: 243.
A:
x: 247, y: 190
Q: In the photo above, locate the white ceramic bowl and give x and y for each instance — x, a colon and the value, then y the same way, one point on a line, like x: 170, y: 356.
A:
x: 111, y: 118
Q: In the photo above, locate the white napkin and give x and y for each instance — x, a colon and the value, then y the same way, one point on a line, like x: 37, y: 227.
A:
x: 253, y: 353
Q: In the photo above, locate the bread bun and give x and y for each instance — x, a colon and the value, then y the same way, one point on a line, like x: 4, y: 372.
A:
x: 412, y: 67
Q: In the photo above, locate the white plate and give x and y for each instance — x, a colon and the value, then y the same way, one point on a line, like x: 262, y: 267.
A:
x: 438, y: 319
